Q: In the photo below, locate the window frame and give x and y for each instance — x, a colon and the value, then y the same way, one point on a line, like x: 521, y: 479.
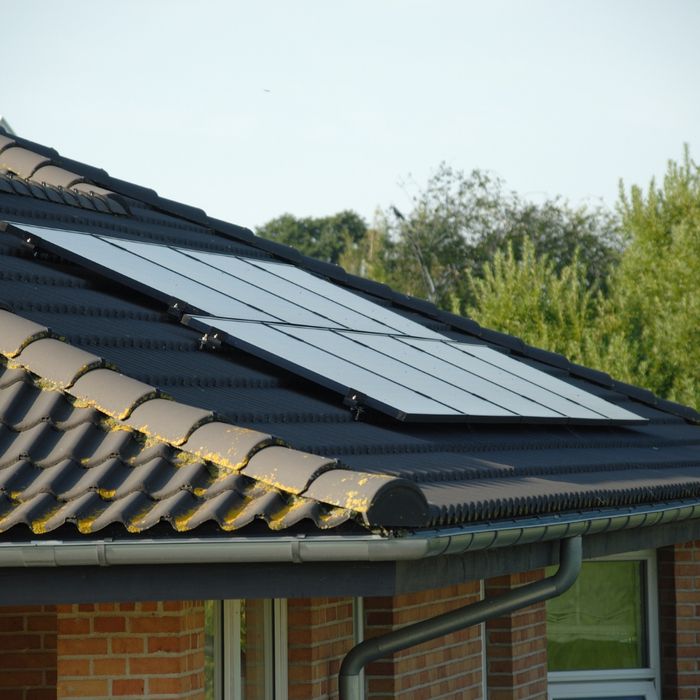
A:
x: 644, y: 681
x: 228, y: 677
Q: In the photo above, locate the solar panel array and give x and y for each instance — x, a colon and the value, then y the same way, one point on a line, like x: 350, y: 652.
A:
x: 335, y: 337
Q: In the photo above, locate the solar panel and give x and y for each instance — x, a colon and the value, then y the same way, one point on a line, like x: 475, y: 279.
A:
x: 335, y: 337
x: 119, y: 263
x: 280, y: 345
x: 349, y: 299
x: 434, y: 357
x: 330, y: 312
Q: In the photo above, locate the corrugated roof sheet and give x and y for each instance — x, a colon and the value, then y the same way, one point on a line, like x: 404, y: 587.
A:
x: 467, y: 473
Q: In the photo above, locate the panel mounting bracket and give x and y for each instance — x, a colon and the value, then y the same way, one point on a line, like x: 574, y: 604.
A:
x: 355, y: 401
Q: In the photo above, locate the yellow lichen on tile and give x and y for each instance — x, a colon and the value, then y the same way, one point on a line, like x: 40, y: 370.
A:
x: 183, y: 459
x: 181, y: 522
x: 38, y: 526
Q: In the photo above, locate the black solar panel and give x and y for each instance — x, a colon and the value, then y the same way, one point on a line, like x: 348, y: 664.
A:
x: 372, y: 355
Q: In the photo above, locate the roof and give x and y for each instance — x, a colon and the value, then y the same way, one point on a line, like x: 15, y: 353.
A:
x: 87, y: 445
x: 466, y: 473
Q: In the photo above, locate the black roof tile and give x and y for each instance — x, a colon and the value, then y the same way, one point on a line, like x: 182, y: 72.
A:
x: 57, y: 362
x: 58, y: 177
x: 276, y: 467
x: 5, y: 142
x: 171, y: 421
x: 114, y: 394
x: 21, y: 161
x: 17, y: 332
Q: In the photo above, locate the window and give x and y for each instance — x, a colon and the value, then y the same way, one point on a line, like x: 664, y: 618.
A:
x: 246, y: 650
x: 602, y: 636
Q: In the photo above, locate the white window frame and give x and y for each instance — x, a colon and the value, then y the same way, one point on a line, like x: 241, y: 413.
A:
x: 484, y: 646
x: 228, y: 675
x: 645, y: 682
x: 615, y: 689
x: 358, y: 635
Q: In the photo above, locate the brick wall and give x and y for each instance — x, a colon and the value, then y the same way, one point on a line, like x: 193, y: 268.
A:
x: 679, y: 620
x: 150, y: 649
x: 517, y: 645
x: 446, y: 668
x: 28, y: 653
x: 320, y: 633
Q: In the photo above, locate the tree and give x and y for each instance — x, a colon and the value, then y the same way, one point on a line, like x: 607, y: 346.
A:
x: 327, y: 238
x: 654, y: 307
x: 459, y: 222
x: 524, y: 294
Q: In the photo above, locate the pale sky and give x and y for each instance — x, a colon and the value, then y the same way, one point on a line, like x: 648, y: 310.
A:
x: 253, y: 109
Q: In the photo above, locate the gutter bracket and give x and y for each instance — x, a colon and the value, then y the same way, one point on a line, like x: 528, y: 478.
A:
x: 570, y: 558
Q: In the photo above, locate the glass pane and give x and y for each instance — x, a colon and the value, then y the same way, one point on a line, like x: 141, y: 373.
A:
x: 599, y: 622
x: 256, y: 642
x: 212, y: 642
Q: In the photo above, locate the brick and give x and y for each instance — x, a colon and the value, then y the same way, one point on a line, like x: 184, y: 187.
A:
x: 128, y: 686
x: 128, y: 645
x: 40, y: 694
x: 109, y: 624
x: 111, y: 666
x: 41, y: 623
x: 83, y: 688
x: 164, y: 686
x: 82, y: 646
x: 155, y: 665
x: 154, y: 624
x: 75, y: 667
x: 18, y: 679
x: 74, y: 625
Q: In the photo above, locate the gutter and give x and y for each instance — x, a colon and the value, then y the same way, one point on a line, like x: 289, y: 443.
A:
x: 326, y: 548
x: 349, y: 679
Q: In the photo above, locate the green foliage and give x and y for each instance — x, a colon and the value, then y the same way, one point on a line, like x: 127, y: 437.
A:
x: 526, y: 295
x: 654, y: 305
x: 459, y: 222
x: 327, y: 238
x: 642, y: 323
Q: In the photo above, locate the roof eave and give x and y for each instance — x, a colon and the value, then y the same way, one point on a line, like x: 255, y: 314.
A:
x: 341, y: 548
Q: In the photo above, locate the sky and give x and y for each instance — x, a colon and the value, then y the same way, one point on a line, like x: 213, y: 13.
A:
x: 254, y: 109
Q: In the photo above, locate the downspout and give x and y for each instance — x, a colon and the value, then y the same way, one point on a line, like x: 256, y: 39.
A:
x: 570, y: 555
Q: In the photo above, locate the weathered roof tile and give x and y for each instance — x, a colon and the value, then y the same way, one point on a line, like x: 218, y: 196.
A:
x: 5, y: 142
x: 287, y: 469
x: 58, y: 177
x: 382, y: 500
x: 167, y: 420
x: 21, y: 161
x: 57, y: 362
x: 112, y: 393
x: 18, y: 332
x: 228, y: 445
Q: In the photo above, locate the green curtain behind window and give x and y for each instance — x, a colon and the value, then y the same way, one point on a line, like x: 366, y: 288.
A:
x: 599, y: 622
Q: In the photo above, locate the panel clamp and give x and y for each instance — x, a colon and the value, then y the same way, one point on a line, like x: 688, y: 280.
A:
x: 354, y: 400
x: 210, y: 341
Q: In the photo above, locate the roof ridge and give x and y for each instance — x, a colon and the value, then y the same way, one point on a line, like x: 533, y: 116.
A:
x: 380, y: 499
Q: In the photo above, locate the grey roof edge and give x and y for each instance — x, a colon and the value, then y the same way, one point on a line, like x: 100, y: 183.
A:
x: 509, y: 342
x: 341, y: 548
x: 381, y: 500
